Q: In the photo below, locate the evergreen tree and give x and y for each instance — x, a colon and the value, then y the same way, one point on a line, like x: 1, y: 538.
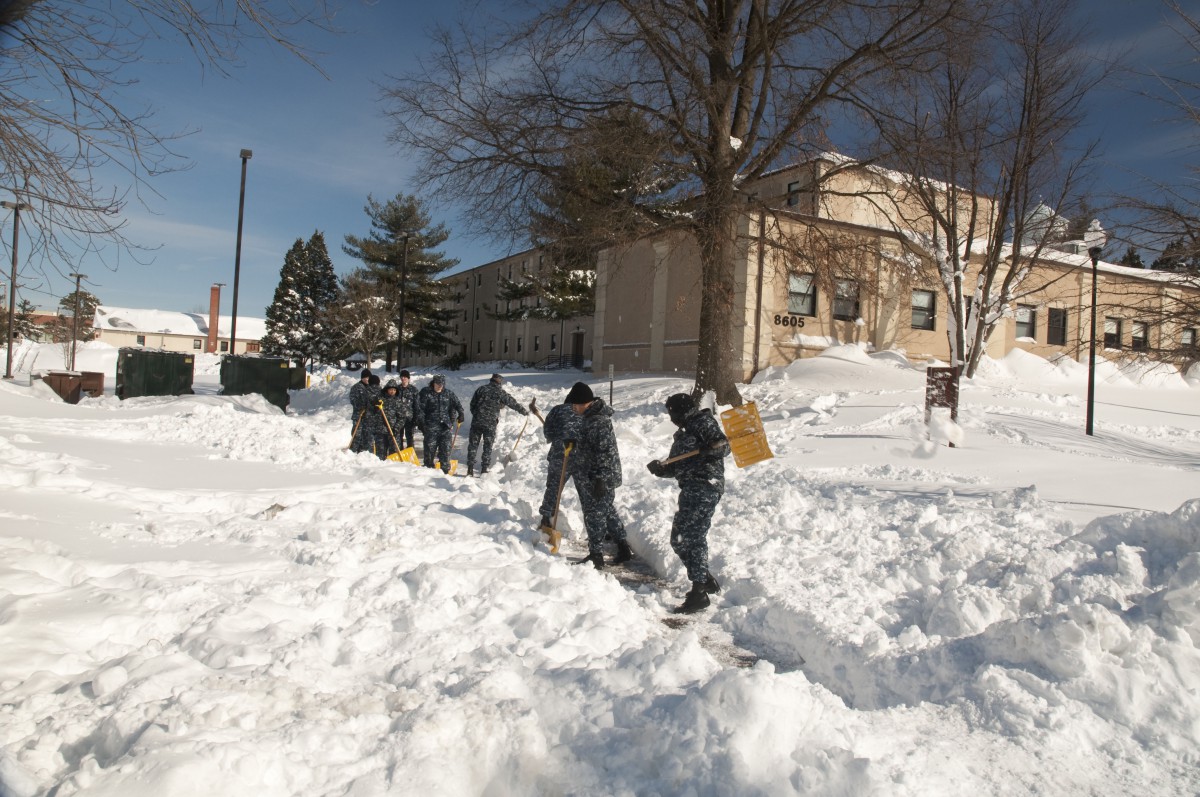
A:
x: 1180, y: 256
x: 87, y: 312
x: 1132, y: 258
x: 400, y: 257
x: 296, y: 325
x: 23, y: 324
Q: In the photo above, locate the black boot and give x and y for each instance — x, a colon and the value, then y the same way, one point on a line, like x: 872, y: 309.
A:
x: 695, y: 600
x: 711, y: 585
x: 483, y: 470
x: 624, y: 553
x: 546, y: 522
x: 470, y: 470
x: 596, y: 559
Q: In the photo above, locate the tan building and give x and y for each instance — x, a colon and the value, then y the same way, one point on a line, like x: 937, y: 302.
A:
x: 478, y: 337
x: 837, y: 266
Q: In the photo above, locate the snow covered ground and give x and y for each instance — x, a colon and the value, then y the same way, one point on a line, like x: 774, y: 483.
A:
x: 205, y: 596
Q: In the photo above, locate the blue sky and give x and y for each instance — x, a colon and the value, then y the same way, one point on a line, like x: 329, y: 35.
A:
x: 320, y: 148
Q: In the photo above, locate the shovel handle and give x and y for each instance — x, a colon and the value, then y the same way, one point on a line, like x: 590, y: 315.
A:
x: 679, y: 457
x: 533, y: 408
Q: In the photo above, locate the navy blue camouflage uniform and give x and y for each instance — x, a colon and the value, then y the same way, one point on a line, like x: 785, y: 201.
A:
x: 439, y: 414
x: 408, y: 394
x: 396, y: 413
x: 485, y: 415
x: 562, y: 424
x: 701, y: 484
x: 362, y: 397
x: 595, y: 465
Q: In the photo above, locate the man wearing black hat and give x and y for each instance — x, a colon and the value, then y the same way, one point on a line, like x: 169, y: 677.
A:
x: 407, y: 393
x: 595, y: 466
x: 441, y: 411
x: 700, y: 447
x: 486, y: 404
x: 360, y: 402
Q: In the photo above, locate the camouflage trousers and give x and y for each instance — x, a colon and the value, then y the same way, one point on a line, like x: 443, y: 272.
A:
x: 487, y: 434
x: 405, y: 436
x: 554, y: 480
x: 599, y: 516
x: 361, y: 437
x: 689, y: 529
x: 437, y: 447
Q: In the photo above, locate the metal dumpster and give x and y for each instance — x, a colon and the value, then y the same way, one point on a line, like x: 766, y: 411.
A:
x: 148, y: 372
x: 270, y: 377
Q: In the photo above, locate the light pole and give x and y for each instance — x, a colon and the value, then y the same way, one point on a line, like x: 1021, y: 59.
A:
x: 1094, y: 239
x: 403, y: 288
x: 75, y: 318
x: 16, y: 208
x: 237, y: 258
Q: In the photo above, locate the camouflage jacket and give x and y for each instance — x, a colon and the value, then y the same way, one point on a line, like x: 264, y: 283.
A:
x: 486, y: 404
x: 562, y: 424
x: 701, y: 431
x: 595, y: 456
x: 438, y: 409
x: 362, y: 397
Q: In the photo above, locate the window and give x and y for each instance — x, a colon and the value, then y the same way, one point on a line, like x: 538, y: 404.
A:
x: 1026, y: 326
x: 476, y: 313
x: 553, y: 342
x: 1112, y: 333
x: 1139, y: 336
x: 845, y: 301
x: 253, y: 347
x: 197, y: 344
x: 464, y: 315
x: 491, y: 346
x: 1056, y: 326
x: 141, y: 340
x: 537, y: 342
x: 224, y: 345
x: 506, y: 345
x: 924, y: 309
x: 1188, y: 338
x: 478, y: 280
x: 520, y: 340
x: 478, y: 344
x: 802, y: 295
x: 793, y: 194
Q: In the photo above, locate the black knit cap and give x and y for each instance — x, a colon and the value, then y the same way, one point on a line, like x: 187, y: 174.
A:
x: 366, y: 373
x: 406, y: 373
x: 497, y: 378
x: 438, y: 379
x: 679, y: 406
x: 580, y: 394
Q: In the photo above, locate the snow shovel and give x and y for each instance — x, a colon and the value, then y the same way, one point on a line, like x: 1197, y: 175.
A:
x: 533, y: 408
x: 395, y: 456
x: 747, y: 438
x: 453, y: 440
x: 354, y: 434
x: 555, y: 536
x: 512, y: 454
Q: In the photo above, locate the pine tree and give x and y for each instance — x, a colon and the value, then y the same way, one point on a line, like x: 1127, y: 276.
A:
x: 87, y: 312
x: 1178, y: 255
x: 296, y: 325
x: 23, y: 324
x: 400, y: 256
x: 1132, y: 259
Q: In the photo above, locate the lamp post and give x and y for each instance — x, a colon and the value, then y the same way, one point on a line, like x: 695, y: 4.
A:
x: 237, y: 258
x: 1094, y: 239
x: 403, y: 288
x: 75, y: 318
x: 16, y: 208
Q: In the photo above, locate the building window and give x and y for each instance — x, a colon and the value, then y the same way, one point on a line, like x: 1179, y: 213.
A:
x: 520, y: 340
x: 141, y: 340
x: 476, y: 313
x: 1139, y: 336
x: 224, y: 345
x: 1026, y: 326
x: 1056, y: 326
x: 845, y: 301
x: 1112, y: 333
x: 197, y: 344
x: 1188, y: 338
x: 464, y: 315
x: 253, y: 347
x: 478, y: 343
x: 924, y: 309
x: 491, y: 346
x: 506, y: 345
x: 537, y: 342
x: 478, y: 280
x: 802, y: 295
x: 553, y: 342
x: 793, y: 194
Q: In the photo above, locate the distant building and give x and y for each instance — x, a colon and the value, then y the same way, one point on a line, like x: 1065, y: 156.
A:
x: 186, y: 332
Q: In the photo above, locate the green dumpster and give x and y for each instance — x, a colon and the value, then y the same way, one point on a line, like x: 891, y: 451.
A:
x: 270, y: 377
x: 147, y: 372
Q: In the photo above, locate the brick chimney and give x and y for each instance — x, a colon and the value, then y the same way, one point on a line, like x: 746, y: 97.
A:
x: 214, y: 316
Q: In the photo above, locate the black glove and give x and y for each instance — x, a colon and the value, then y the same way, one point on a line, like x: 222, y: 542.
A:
x: 598, y: 487
x: 461, y: 417
x: 656, y: 468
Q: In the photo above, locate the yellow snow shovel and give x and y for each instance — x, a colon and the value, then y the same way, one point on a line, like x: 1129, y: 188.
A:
x: 554, y: 535
x: 747, y: 438
x: 354, y: 434
x: 397, y: 455
x: 453, y: 440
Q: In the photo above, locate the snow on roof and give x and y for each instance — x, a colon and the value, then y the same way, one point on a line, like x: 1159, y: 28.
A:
x: 165, y: 322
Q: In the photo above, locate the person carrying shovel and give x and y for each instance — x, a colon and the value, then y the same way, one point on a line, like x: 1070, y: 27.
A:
x: 595, y: 465
x: 486, y: 404
x: 440, y: 414
x: 697, y: 462
x: 396, y: 413
x: 560, y: 425
x: 361, y: 399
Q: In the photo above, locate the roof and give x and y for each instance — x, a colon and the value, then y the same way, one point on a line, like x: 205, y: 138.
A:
x: 165, y: 322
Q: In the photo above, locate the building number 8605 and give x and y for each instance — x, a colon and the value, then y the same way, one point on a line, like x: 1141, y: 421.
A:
x: 788, y: 320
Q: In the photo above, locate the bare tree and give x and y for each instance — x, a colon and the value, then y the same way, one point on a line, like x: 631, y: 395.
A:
x: 981, y: 139
x: 360, y: 318
x: 66, y: 123
x: 725, y: 91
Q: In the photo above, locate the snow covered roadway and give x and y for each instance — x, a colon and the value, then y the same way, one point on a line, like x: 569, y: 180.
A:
x: 205, y: 596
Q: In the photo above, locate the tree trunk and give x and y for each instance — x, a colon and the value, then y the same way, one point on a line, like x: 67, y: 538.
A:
x: 717, y: 361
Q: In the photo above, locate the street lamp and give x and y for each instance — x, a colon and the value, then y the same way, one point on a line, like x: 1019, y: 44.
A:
x: 16, y: 208
x: 237, y: 258
x: 1093, y: 239
x: 75, y: 318
x: 403, y: 287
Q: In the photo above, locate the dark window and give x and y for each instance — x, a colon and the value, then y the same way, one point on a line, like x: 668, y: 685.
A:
x: 478, y: 280
x: 520, y: 340
x: 537, y: 342
x: 476, y: 313
x: 793, y: 194
x: 553, y: 342
x: 924, y: 309
x: 1139, y: 336
x: 491, y: 346
x: 251, y: 347
x: 1188, y: 338
x: 845, y: 301
x: 478, y: 344
x: 224, y: 345
x: 802, y: 295
x: 1056, y: 326
x: 141, y: 340
x: 1112, y: 333
x: 1026, y: 326
x: 197, y: 344
x: 506, y: 345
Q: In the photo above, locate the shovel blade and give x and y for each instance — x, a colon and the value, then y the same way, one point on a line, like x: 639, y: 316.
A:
x: 408, y: 455
x: 554, y: 537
